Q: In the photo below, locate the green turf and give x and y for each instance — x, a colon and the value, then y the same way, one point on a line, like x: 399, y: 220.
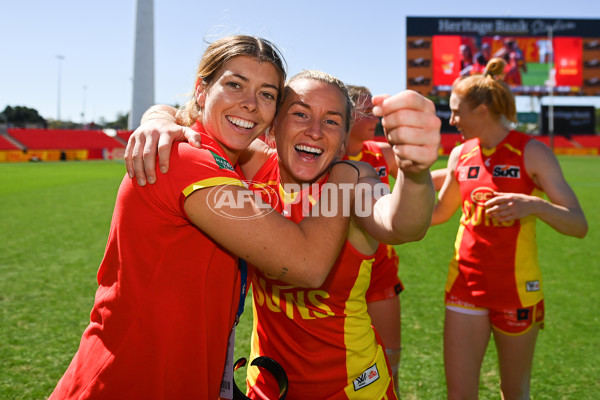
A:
x: 55, y: 219
x: 536, y: 75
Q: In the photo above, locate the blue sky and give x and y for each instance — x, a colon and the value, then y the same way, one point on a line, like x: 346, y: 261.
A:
x: 359, y: 42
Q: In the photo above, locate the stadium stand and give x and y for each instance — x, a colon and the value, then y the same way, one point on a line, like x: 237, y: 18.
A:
x: 559, y: 141
x: 20, y: 144
x: 589, y: 141
x: 124, y: 135
x: 6, y: 145
x: 62, y: 139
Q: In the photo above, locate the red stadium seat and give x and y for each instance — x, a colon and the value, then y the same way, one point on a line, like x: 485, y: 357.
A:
x: 63, y: 139
x: 6, y: 145
x: 591, y: 141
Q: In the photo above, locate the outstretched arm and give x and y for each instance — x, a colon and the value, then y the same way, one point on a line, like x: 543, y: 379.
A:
x: 413, y: 131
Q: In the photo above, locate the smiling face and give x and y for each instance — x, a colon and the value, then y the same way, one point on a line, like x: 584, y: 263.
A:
x: 469, y: 121
x: 310, y: 130
x: 240, y: 103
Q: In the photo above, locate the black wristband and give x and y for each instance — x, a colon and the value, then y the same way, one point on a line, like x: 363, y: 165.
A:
x: 350, y: 163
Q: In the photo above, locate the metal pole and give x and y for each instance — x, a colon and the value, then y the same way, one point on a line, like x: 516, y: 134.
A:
x: 552, y: 83
x: 143, y: 62
x: 83, y: 107
x: 59, y: 58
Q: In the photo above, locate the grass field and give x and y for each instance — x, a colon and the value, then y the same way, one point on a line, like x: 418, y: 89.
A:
x: 54, y: 223
x: 536, y: 75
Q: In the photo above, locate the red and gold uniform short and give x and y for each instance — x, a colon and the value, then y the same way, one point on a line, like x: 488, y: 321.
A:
x: 511, y: 321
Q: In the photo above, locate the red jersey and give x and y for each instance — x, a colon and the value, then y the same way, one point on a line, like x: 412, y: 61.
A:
x: 371, y: 153
x: 495, y: 264
x: 322, y: 337
x: 385, y: 282
x: 167, y: 295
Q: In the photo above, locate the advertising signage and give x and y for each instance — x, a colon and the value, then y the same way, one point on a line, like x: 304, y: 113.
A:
x: 539, y: 53
x: 577, y: 120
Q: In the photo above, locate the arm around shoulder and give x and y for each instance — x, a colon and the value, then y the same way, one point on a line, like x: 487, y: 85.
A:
x: 301, y: 254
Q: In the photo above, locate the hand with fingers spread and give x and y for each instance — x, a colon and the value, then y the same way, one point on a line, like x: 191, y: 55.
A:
x: 155, y: 135
x: 411, y: 127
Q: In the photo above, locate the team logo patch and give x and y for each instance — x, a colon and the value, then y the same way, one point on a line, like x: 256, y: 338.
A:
x: 398, y: 288
x: 507, y: 171
x: 481, y: 195
x: 221, y: 162
x: 522, y: 314
x: 366, y: 378
x: 533, y: 286
x: 471, y: 172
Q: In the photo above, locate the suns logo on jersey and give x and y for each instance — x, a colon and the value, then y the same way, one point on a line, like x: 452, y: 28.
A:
x: 482, y: 194
x: 474, y: 210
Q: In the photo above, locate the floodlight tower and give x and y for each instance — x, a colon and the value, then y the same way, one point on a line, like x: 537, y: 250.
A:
x: 59, y: 58
x: 143, y: 62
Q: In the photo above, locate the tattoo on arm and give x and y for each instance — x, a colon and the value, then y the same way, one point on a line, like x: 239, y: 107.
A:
x: 283, y: 273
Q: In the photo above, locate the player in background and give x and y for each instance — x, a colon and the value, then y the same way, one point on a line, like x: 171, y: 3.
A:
x: 383, y: 295
x: 498, y: 178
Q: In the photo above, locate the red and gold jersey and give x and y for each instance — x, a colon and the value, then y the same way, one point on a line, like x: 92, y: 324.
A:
x: 495, y: 264
x: 322, y: 337
x: 167, y: 295
x: 385, y: 282
x: 371, y: 153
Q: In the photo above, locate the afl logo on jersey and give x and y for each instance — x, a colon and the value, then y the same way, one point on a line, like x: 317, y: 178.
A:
x: 482, y: 194
x: 507, y: 171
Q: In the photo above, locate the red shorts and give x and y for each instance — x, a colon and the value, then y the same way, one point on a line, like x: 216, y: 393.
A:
x: 511, y: 321
x: 385, y: 283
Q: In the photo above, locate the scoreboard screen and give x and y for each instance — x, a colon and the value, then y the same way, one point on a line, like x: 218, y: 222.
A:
x: 538, y: 52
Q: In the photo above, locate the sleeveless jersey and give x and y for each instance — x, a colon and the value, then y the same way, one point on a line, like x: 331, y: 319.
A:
x: 322, y: 337
x: 371, y: 153
x: 495, y: 264
x: 385, y: 282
